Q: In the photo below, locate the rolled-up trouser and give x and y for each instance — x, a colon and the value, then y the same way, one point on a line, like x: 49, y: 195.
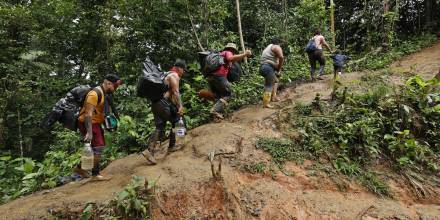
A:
x: 316, y: 56
x: 163, y: 111
x: 220, y: 86
x: 269, y: 74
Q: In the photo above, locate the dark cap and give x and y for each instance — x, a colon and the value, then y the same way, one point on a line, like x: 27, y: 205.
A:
x: 113, y: 78
x: 181, y: 63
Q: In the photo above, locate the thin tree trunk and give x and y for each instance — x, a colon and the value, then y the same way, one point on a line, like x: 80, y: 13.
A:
x: 332, y: 22
x: 193, y: 29
x: 20, y: 136
x: 237, y: 4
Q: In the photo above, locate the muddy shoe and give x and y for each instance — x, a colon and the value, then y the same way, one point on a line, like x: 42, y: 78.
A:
x: 149, y: 156
x: 175, y: 148
x: 100, y: 178
x: 83, y: 173
x: 217, y: 116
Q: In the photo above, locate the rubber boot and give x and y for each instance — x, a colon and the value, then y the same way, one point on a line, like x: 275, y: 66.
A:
x: 274, y: 93
x: 266, y: 100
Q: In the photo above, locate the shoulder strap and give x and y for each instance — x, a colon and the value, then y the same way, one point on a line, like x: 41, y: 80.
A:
x: 99, y: 93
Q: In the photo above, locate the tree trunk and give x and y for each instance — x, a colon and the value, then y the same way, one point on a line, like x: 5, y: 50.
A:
x: 428, y: 14
x: 237, y: 4
x: 332, y: 22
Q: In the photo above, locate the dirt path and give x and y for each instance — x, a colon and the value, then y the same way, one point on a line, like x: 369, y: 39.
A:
x: 186, y: 189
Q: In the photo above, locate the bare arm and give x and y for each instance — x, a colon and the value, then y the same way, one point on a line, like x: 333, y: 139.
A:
x: 325, y: 44
x: 239, y: 57
x: 89, y: 109
x: 278, y: 51
x: 174, y: 93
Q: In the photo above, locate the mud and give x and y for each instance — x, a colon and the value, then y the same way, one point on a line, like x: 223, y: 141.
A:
x: 186, y: 188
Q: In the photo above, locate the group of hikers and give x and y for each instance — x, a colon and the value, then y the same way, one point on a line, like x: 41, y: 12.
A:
x: 169, y: 108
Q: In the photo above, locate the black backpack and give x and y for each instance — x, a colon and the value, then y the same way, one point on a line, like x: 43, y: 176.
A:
x: 66, y: 110
x: 235, y: 72
x: 210, y: 61
x: 151, y: 83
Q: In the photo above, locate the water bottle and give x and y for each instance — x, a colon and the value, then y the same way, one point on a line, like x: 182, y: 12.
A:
x: 87, y: 157
x: 180, y: 132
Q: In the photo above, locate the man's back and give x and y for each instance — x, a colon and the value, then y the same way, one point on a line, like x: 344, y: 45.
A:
x: 319, y: 40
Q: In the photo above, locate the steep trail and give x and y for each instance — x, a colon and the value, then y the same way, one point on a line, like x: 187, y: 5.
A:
x: 186, y: 189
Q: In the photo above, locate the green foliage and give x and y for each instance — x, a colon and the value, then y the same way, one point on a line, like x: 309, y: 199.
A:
x: 22, y: 176
x: 373, y: 126
x: 133, y: 200
x: 259, y: 167
x: 51, y: 46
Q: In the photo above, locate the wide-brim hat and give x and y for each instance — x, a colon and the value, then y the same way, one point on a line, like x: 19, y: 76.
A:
x: 232, y: 46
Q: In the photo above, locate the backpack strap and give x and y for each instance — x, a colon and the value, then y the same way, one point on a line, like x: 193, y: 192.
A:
x: 99, y: 93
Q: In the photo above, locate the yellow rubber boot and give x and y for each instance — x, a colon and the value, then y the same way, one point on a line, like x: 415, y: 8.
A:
x: 266, y: 100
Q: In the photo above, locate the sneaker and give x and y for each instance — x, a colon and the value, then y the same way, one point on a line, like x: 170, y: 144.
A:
x: 100, y: 177
x: 174, y: 148
x: 149, y: 157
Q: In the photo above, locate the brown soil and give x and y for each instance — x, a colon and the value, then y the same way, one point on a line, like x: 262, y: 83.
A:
x: 187, y: 190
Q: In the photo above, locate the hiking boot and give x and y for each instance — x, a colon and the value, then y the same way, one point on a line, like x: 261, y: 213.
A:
x: 217, y: 116
x: 149, y: 156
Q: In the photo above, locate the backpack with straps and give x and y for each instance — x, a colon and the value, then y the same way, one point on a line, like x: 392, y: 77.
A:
x: 210, y: 61
x: 151, y: 84
x: 311, y: 46
x: 66, y: 110
x: 235, y: 72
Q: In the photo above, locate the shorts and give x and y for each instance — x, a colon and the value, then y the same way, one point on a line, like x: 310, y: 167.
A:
x: 98, y: 140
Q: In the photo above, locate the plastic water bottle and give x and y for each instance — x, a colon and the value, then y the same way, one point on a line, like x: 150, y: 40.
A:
x: 180, y: 132
x: 87, y: 157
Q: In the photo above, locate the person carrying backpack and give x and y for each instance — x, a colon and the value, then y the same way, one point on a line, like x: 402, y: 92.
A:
x: 315, y: 53
x: 338, y: 62
x: 271, y: 63
x: 218, y: 82
x: 168, y: 108
x: 92, y: 115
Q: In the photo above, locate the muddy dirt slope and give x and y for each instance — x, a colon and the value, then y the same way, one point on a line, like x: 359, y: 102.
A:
x: 187, y: 190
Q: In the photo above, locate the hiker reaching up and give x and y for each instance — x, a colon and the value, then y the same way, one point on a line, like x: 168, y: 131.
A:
x: 315, y: 53
x: 92, y: 115
x: 168, y: 108
x: 271, y: 62
x: 218, y: 82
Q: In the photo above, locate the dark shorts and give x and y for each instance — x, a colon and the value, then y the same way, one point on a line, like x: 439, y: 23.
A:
x: 164, y: 110
x: 337, y: 68
x: 220, y: 86
x: 98, y: 140
x: 316, y: 56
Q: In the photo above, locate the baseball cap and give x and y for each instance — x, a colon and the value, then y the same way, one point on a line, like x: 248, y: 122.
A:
x: 181, y: 63
x: 114, y: 79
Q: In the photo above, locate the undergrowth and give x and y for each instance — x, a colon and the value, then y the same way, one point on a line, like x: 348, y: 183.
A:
x: 133, y: 202
x: 356, y: 132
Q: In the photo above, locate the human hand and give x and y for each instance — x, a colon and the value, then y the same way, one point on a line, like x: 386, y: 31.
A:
x: 180, y: 111
x: 88, y: 138
x: 248, y: 53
